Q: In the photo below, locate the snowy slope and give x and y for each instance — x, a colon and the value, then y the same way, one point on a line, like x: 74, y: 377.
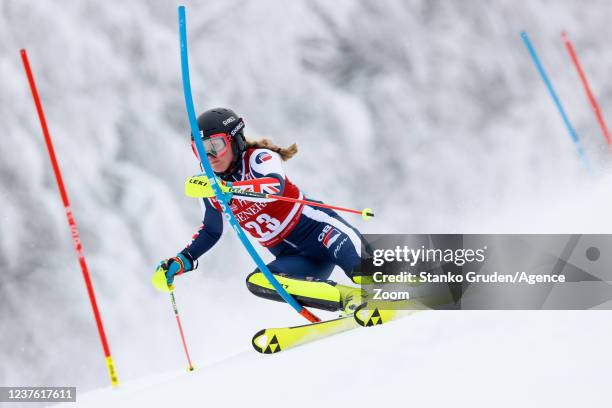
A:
x: 432, y: 359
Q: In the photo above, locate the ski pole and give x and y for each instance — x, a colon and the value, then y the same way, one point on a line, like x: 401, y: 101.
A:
x: 180, y: 327
x: 366, y: 213
x: 71, y: 222
x: 199, y: 187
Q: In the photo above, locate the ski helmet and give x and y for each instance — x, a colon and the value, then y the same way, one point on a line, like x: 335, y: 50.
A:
x: 226, y: 125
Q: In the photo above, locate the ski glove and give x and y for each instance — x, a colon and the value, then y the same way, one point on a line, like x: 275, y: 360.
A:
x: 163, y: 279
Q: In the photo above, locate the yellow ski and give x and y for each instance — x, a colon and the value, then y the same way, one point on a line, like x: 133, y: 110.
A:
x: 270, y: 341
x: 275, y: 340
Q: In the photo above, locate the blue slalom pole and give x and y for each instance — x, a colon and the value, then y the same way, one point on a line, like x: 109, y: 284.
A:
x: 553, y: 94
x: 222, y: 197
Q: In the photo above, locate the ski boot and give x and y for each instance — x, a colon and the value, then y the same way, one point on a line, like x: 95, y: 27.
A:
x: 309, y: 292
x: 351, y: 298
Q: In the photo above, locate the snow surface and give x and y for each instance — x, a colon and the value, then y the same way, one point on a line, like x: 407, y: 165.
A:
x: 432, y: 359
x: 428, y: 111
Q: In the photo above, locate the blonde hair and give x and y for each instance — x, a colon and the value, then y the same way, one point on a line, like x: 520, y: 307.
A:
x: 284, y: 152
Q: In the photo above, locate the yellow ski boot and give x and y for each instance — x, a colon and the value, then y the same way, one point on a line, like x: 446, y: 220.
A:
x: 351, y: 298
x: 320, y: 294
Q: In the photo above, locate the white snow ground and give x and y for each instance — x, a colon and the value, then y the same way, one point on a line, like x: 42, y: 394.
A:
x: 432, y: 359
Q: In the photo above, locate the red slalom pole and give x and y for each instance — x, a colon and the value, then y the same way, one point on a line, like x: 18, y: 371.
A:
x: 180, y: 327
x: 587, y: 88
x: 71, y: 222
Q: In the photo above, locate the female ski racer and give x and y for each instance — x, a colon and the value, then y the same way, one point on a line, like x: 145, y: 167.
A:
x: 307, y: 241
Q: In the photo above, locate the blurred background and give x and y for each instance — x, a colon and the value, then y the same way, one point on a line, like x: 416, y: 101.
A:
x: 429, y: 111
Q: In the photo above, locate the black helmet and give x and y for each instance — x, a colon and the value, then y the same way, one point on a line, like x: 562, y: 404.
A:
x: 224, y: 121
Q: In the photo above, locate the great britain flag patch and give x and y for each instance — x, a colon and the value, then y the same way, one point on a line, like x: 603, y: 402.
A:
x: 330, y: 237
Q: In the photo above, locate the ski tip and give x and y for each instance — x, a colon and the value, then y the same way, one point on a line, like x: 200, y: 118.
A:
x: 368, y: 317
x: 265, y: 345
x: 256, y: 337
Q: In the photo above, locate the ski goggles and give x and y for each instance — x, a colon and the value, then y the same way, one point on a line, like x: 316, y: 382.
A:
x: 216, y: 145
